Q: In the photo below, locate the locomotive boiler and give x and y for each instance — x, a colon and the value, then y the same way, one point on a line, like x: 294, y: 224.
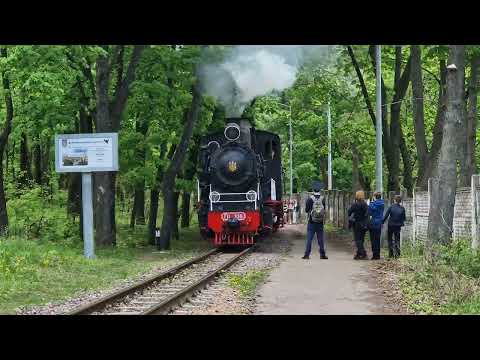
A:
x: 239, y: 184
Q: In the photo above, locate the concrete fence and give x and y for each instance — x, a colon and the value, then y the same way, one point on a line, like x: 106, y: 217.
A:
x: 466, y: 220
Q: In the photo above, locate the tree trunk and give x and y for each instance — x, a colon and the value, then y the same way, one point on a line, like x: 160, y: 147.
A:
x: 139, y: 204
x: 418, y: 111
x: 175, y: 165
x: 355, y: 171
x: 430, y: 164
x: 3, y: 202
x: 37, y: 161
x: 155, y: 194
x: 175, y: 232
x: 3, y: 143
x: 407, y: 166
x: 108, y: 115
x: 390, y: 134
x: 25, y: 163
x: 471, y: 166
x: 190, y: 172
x: 186, y: 196
x: 152, y: 219
x: 104, y: 187
x: 440, y: 223
x: 74, y: 197
x: 105, y: 231
x: 46, y: 164
x: 134, y: 211
x: 141, y: 126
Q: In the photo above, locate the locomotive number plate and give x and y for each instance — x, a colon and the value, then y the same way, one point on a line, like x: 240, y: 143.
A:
x: 237, y: 215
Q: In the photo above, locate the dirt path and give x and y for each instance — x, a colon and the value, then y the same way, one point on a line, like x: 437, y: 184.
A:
x: 339, y: 285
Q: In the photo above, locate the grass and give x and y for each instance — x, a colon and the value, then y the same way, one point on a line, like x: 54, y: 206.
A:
x: 34, y: 273
x: 42, y: 260
x: 442, y: 280
x: 247, y: 283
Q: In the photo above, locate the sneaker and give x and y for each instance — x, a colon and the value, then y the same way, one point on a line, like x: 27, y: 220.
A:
x: 325, y: 257
x: 375, y: 258
x: 360, y: 257
x: 306, y: 257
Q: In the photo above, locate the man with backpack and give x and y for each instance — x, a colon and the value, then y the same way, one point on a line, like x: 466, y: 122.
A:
x: 315, y: 208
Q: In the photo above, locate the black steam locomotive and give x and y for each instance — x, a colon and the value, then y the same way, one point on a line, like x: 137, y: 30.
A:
x: 240, y: 184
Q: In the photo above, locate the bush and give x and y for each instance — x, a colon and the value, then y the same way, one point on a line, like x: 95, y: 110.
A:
x: 33, y: 214
x: 462, y: 258
x: 442, y: 279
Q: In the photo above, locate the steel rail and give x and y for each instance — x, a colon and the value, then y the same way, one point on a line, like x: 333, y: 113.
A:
x: 106, y: 300
x: 178, y: 298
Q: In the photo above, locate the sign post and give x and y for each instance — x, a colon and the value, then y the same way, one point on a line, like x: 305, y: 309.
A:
x: 87, y: 153
x: 87, y: 211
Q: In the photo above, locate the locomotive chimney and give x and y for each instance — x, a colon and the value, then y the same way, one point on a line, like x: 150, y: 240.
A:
x: 245, y: 126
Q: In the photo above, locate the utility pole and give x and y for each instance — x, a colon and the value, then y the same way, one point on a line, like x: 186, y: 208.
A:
x: 378, y: 132
x: 291, y: 155
x: 329, y: 147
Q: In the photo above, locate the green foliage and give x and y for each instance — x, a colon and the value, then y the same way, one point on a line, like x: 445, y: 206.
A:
x: 36, y: 216
x: 33, y: 273
x: 441, y: 280
x: 247, y: 283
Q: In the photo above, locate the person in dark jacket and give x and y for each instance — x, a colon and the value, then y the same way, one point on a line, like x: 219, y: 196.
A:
x: 359, y: 209
x: 314, y: 227
x: 396, y: 215
x: 375, y: 211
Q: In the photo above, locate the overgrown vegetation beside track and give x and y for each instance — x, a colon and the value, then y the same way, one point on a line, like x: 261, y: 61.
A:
x: 445, y: 280
x: 42, y: 260
x: 247, y: 283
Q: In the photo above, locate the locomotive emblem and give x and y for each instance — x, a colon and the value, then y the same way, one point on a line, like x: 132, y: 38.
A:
x: 232, y: 166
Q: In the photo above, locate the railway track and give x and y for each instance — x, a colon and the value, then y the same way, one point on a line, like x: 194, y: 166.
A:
x: 159, y: 294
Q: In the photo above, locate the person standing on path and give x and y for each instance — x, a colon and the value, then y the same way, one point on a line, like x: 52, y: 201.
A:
x: 359, y: 211
x: 315, y: 208
x: 396, y: 212
x: 375, y: 211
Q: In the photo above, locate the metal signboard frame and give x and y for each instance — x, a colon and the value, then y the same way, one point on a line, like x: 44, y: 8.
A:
x: 87, y: 196
x: 63, y: 169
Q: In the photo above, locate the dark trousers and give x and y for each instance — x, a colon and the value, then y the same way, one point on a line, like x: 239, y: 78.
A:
x: 375, y: 240
x: 394, y: 241
x: 359, y: 237
x: 313, y: 228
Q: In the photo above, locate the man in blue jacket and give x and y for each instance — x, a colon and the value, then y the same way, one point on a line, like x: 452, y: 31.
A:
x: 396, y: 212
x: 375, y: 211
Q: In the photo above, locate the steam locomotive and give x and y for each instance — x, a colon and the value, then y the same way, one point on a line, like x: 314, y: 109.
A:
x: 239, y: 184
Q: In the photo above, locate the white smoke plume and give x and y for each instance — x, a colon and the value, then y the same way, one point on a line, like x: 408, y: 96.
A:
x: 249, y: 71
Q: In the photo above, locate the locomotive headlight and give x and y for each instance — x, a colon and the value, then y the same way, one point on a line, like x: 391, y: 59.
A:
x: 232, y: 131
x: 214, y: 196
x: 251, y: 195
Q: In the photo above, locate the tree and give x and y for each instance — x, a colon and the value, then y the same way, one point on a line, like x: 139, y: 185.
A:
x: 108, y: 116
x: 168, y: 191
x: 7, y: 127
x: 471, y: 128
x: 442, y: 201
x: 427, y: 158
x: 393, y: 140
